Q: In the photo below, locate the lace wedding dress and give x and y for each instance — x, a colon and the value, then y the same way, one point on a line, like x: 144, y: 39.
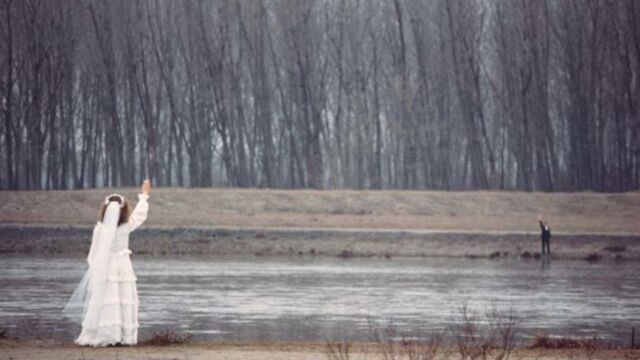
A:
x: 106, y: 300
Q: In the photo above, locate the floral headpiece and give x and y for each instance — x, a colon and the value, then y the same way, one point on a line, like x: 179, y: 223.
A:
x: 107, y: 201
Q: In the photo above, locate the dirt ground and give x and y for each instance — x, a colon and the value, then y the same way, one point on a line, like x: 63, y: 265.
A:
x: 342, y: 209
x: 28, y: 350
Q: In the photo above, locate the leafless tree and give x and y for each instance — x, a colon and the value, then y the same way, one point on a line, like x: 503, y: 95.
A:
x: 444, y: 94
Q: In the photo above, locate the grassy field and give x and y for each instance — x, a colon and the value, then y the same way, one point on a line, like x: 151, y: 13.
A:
x: 479, y: 211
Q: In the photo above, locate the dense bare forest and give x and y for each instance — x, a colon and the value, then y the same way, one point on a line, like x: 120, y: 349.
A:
x: 535, y: 95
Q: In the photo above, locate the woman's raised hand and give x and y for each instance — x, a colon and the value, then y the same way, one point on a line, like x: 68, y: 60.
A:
x: 146, y: 187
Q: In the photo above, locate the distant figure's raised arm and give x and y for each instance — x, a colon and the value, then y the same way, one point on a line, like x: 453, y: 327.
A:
x: 541, y: 222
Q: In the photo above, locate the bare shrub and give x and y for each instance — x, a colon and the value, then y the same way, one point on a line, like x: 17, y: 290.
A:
x: 383, y: 340
x: 491, y: 336
x: 615, y: 249
x: 422, y: 349
x: 391, y: 344
x: 337, y: 351
x: 346, y: 254
x: 166, y: 338
x: 593, y: 257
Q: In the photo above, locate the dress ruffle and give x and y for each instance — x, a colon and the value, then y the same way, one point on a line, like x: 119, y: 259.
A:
x: 118, y: 313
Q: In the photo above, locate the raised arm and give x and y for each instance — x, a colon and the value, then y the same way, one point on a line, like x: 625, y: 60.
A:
x: 540, y: 221
x: 139, y: 214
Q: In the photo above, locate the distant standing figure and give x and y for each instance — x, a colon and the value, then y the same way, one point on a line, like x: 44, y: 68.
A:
x: 545, y: 236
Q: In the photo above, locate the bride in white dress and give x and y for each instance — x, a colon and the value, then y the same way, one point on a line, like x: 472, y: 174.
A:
x: 106, y: 301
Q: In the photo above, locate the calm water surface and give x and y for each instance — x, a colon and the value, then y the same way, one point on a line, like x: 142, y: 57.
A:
x: 304, y: 298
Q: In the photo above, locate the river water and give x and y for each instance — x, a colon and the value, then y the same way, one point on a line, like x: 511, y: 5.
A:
x: 314, y: 298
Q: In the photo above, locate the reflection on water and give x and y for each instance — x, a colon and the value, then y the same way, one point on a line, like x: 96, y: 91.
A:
x: 305, y: 298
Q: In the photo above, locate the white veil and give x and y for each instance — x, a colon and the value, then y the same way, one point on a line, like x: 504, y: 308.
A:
x: 84, y: 305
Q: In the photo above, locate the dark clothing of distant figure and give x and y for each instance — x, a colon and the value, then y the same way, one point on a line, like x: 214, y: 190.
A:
x: 545, y: 236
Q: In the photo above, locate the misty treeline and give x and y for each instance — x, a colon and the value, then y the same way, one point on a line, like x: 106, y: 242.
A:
x: 410, y: 94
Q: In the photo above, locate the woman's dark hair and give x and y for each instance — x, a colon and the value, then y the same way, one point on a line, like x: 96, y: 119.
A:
x: 124, y: 210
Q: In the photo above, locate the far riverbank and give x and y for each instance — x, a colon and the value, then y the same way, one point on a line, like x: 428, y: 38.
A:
x: 39, y: 239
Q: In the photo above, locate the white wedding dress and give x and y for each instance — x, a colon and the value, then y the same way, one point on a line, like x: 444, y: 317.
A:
x: 106, y: 300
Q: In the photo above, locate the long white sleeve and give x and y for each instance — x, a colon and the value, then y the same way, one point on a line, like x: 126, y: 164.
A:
x: 139, y: 214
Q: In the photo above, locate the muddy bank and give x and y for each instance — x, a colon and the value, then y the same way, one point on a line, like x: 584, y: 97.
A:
x: 205, y: 241
x: 19, y: 350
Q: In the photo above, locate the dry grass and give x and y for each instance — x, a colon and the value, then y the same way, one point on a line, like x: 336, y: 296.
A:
x: 338, y: 351
x: 166, y: 338
x: 482, y: 210
x: 546, y: 342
